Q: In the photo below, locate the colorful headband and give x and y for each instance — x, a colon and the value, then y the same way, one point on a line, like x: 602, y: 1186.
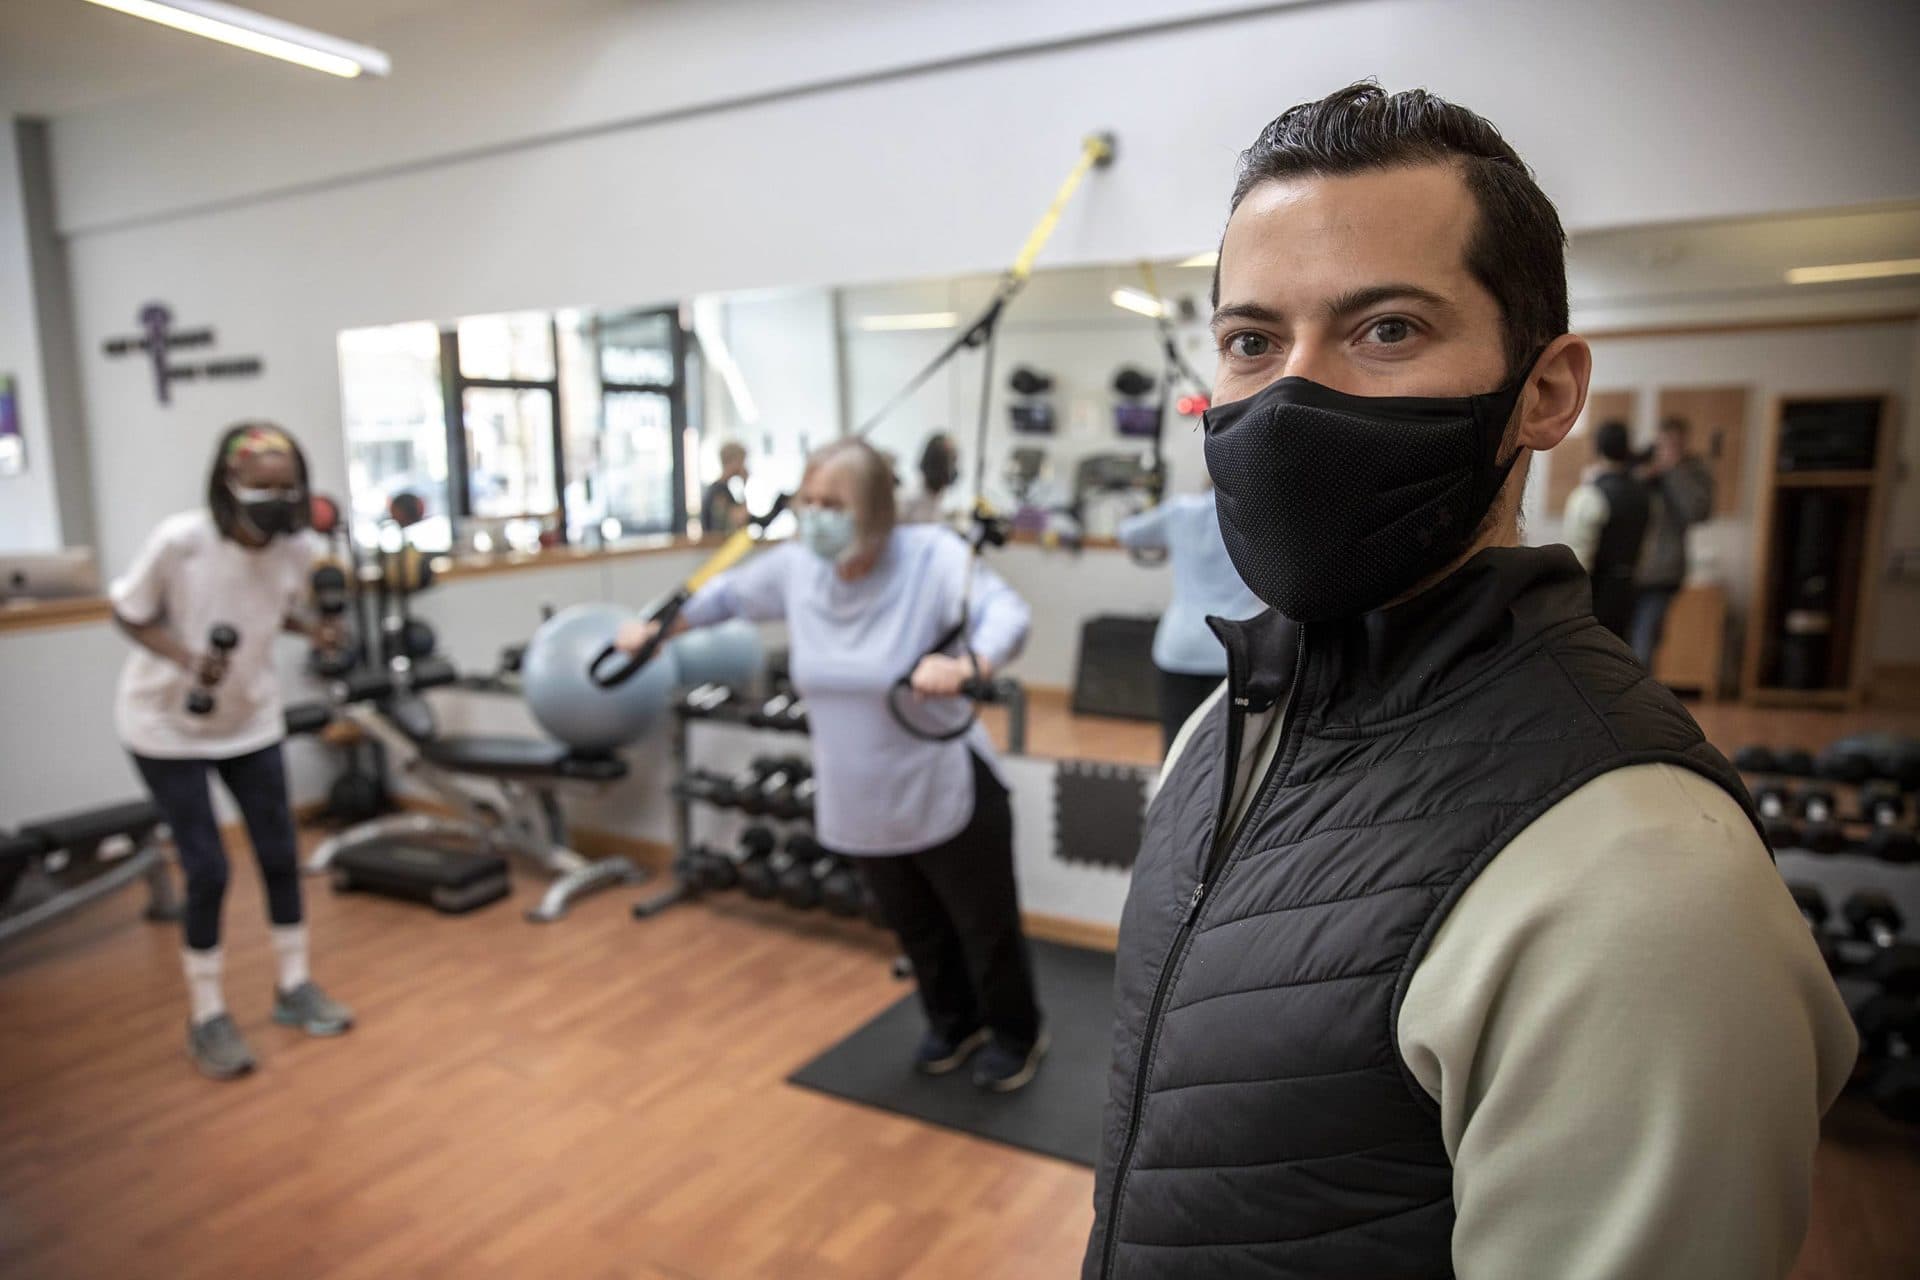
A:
x: 255, y: 441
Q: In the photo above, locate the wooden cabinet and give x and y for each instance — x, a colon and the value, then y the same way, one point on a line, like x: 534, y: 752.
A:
x: 1823, y: 498
x: 1692, y: 653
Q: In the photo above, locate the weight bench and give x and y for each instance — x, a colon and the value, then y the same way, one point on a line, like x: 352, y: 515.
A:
x: 521, y: 815
x: 55, y: 866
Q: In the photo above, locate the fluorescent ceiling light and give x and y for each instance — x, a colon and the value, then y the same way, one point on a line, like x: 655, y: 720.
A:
x: 1854, y: 271
x: 245, y: 29
x: 1208, y: 259
x: 914, y: 320
x: 1141, y: 303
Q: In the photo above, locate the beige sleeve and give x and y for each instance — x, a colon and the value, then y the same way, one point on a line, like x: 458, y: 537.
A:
x: 1632, y: 1037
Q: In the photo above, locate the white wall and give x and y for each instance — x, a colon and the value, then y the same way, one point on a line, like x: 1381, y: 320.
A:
x: 29, y: 503
x: 1771, y: 364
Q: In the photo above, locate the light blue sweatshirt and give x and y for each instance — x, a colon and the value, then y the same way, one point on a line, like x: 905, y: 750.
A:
x: 1204, y: 582
x: 880, y: 790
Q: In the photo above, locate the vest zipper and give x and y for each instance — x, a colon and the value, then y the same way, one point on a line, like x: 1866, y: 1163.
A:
x: 1282, y: 761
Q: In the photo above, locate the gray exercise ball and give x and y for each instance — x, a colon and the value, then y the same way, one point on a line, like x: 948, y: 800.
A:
x: 565, y: 699
x: 726, y: 654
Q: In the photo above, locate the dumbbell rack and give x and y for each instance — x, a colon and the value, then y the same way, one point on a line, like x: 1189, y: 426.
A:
x: 686, y: 711
x: 1814, y: 809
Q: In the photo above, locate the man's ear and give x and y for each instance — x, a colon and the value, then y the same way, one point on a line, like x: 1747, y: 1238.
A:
x: 1555, y: 393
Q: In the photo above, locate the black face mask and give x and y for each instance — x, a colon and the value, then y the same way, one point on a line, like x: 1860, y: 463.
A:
x: 269, y: 512
x: 1332, y: 505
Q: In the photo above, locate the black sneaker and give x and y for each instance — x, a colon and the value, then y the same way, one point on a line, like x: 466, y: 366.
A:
x: 1003, y: 1070
x: 938, y: 1055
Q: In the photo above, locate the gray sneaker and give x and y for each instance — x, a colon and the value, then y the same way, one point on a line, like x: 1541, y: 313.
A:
x: 217, y: 1049
x: 312, y: 1010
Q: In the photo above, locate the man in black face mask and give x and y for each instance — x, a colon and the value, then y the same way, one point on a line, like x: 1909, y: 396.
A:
x: 1452, y: 947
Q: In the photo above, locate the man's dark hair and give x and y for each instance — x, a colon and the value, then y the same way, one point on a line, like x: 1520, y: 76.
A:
x: 1518, y: 249
x: 1676, y: 427
x: 220, y: 500
x: 1612, y: 442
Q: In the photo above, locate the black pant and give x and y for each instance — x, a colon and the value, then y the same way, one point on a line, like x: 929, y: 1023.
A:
x: 258, y: 782
x: 1180, y: 697
x: 957, y: 915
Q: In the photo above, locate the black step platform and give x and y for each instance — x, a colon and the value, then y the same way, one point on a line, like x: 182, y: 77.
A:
x: 448, y: 880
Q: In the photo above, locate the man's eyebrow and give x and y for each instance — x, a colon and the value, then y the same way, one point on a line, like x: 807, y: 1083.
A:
x: 1373, y: 295
x: 1246, y: 311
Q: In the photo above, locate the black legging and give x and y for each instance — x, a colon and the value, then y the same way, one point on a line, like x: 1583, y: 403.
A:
x: 258, y: 782
x: 956, y: 911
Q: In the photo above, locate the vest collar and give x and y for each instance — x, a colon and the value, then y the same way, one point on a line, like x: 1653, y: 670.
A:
x: 1393, y: 661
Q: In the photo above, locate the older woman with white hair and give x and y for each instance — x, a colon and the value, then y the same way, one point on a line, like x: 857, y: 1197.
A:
x: 925, y: 817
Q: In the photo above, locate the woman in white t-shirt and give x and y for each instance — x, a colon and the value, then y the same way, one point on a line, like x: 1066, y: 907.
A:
x: 241, y: 562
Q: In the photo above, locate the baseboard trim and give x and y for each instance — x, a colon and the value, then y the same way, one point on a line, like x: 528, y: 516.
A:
x: 1071, y: 932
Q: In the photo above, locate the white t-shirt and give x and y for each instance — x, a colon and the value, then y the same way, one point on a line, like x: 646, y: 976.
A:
x: 192, y: 579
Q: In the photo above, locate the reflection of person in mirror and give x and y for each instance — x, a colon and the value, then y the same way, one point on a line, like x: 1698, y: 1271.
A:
x: 1606, y: 523
x: 939, y: 468
x: 723, y: 508
x: 1682, y: 490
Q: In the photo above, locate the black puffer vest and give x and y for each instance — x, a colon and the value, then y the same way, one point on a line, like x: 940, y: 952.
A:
x: 1260, y: 1121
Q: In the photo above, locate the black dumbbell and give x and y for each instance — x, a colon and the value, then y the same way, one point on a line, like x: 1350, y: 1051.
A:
x: 795, y: 718
x: 716, y: 871
x: 1814, y: 910
x: 1872, y: 917
x: 222, y: 640
x: 771, y: 714
x: 707, y: 788
x: 768, y: 797
x: 794, y: 799
x: 705, y: 700
x: 755, y: 862
x: 1822, y: 834
x: 1794, y: 762
x: 686, y: 866
x: 1890, y: 1054
x: 736, y: 792
x: 1775, y: 802
x: 841, y: 891
x: 1891, y: 844
x: 806, y: 864
x: 1882, y: 804
x: 1843, y: 763
x: 1755, y: 759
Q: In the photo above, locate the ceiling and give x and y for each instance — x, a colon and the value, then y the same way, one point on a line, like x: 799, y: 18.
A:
x: 63, y: 56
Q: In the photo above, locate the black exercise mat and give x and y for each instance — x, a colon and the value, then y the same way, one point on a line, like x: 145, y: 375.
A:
x: 1058, y: 1114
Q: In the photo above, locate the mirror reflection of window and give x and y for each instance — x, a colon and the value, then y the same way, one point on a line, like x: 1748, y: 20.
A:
x: 395, y: 425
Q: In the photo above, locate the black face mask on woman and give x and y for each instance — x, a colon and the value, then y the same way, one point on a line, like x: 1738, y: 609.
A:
x: 270, y: 512
x: 1332, y: 505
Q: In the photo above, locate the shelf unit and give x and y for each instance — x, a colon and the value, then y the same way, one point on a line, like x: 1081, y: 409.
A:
x: 1818, y: 534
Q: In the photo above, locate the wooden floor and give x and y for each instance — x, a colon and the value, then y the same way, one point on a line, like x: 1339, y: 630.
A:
x: 595, y: 1098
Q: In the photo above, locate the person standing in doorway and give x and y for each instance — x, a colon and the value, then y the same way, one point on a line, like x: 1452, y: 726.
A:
x: 1682, y: 490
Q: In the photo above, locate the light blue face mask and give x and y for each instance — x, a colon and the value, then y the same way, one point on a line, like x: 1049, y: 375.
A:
x: 828, y: 534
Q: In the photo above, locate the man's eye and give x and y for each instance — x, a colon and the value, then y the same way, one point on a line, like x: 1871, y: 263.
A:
x: 1390, y: 331
x: 1248, y: 346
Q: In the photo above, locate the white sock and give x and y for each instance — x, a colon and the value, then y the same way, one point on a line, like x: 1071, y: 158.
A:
x: 203, y: 982
x: 290, y: 944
